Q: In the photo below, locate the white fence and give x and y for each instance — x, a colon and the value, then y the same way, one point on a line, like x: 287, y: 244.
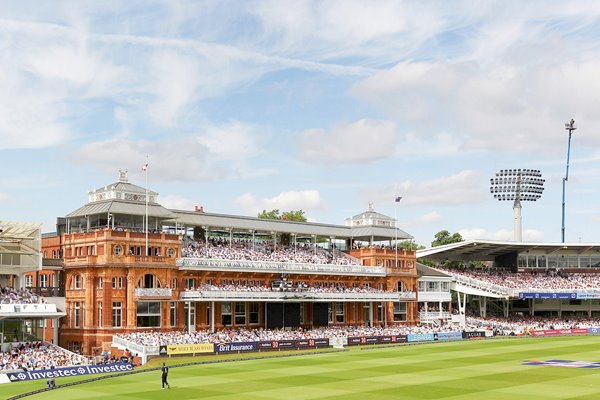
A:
x: 203, y: 264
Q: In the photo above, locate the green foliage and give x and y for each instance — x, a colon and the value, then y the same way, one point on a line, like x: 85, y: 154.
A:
x: 444, y: 237
x: 292, y: 215
x: 409, y: 245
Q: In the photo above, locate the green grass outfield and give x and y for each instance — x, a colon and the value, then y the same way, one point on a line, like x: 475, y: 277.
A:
x: 486, y: 370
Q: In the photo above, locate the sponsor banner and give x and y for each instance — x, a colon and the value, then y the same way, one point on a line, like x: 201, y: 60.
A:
x: 420, y: 337
x: 555, y: 332
x: 448, y: 336
x: 588, y: 295
x: 235, y: 347
x: 353, y: 340
x: 68, y: 371
x: 593, y: 330
x: 264, y: 345
x: 564, y: 363
x: 291, y: 344
x: 535, y: 295
x: 190, y: 348
x: 319, y: 342
x: 473, y: 335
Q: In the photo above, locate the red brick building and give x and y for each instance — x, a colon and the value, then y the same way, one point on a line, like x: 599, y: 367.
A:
x: 120, y: 276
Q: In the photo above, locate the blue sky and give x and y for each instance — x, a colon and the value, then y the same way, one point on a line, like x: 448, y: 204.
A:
x: 321, y: 106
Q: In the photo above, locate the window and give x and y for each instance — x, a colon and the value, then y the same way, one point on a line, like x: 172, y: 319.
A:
x: 99, y: 314
x: 118, y: 250
x: 226, y: 314
x: 432, y: 286
x: 77, y: 314
x: 400, y: 286
x: 100, y: 282
x: 120, y: 282
x: 117, y: 312
x: 421, y: 286
x: 148, y: 314
x: 330, y: 313
x: 240, y: 313
x: 174, y: 283
x: 445, y: 286
x: 28, y: 280
x: 170, y: 252
x: 253, y: 311
x: 339, y: 312
x: 53, y: 253
x: 399, y: 312
x: 173, y: 313
x: 189, y: 283
x: 77, y: 282
x: 301, y: 313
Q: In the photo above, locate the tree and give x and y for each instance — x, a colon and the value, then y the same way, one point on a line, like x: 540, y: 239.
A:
x: 443, y: 237
x: 292, y: 215
x: 409, y: 245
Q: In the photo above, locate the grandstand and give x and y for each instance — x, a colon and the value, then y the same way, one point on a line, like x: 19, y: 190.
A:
x: 199, y: 271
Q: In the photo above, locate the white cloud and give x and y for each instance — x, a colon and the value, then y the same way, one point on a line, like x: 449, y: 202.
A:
x: 431, y: 218
x: 529, y: 235
x: 465, y: 187
x: 3, y: 197
x: 306, y: 200
x: 191, y: 158
x: 357, y: 142
x: 176, y: 202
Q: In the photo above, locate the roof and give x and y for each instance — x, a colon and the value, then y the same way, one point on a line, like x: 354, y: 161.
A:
x: 194, y: 218
x: 20, y: 242
x: 488, y: 250
x: 125, y: 187
x: 424, y: 270
x: 121, y: 207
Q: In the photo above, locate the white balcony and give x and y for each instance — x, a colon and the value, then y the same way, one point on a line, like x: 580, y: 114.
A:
x: 203, y: 264
x: 309, y: 296
x: 154, y: 293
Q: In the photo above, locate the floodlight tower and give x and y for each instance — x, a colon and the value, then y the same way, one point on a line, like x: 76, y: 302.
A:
x: 517, y: 185
x: 570, y: 126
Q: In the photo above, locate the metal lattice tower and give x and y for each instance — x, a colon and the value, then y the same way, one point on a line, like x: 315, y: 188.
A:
x: 517, y: 185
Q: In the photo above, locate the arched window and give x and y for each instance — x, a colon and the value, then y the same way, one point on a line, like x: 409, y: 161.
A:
x: 149, y: 281
x: 77, y: 282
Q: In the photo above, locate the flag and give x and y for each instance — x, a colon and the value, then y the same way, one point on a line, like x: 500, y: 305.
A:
x: 398, y: 199
x: 145, y: 167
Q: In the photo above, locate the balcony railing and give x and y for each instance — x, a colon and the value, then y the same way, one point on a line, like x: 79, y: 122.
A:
x: 203, y: 264
x: 223, y: 295
x: 153, y: 292
x: 426, y: 316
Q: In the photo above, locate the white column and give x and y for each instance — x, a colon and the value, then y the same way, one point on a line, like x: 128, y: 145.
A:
x: 189, y: 304
x: 212, y: 316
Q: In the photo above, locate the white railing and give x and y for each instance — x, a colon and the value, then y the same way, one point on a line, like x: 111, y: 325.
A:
x: 217, y: 295
x: 153, y: 292
x: 426, y: 316
x: 205, y: 264
x: 28, y: 308
x: 142, y: 351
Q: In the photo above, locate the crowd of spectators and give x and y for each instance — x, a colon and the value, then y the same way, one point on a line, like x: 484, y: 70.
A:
x: 524, y: 324
x: 37, y: 355
x: 286, y: 286
x: 501, y: 326
x: 242, y: 249
x: 21, y: 296
x: 544, y: 280
x: 155, y: 338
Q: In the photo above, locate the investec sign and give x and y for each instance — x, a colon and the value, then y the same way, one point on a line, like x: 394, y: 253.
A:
x: 69, y: 371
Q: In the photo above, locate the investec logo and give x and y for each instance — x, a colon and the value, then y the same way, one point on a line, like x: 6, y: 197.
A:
x: 70, y: 371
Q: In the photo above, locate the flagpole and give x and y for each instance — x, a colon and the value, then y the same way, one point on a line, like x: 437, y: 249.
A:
x: 146, y: 175
x: 396, y: 226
